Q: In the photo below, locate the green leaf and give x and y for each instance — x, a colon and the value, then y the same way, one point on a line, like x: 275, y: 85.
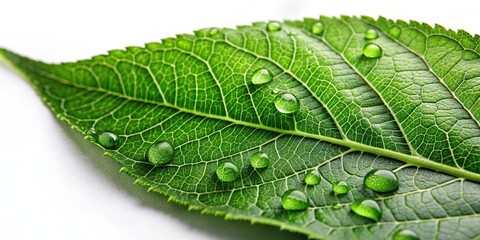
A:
x: 412, y: 107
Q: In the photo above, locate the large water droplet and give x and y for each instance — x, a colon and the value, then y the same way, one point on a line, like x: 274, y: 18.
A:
x: 367, y: 208
x: 287, y: 103
x: 259, y: 160
x: 227, y: 172
x: 312, y: 177
x: 108, y: 140
x: 394, y: 31
x: 405, y: 234
x: 274, y: 26
x: 160, y: 153
x: 317, y: 28
x: 380, y: 180
x: 261, y: 76
x: 372, y: 50
x: 371, y: 34
x: 294, y: 200
x: 213, y: 31
x: 340, y: 187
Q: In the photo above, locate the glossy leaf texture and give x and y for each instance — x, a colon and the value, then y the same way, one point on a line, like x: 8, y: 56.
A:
x: 409, y: 105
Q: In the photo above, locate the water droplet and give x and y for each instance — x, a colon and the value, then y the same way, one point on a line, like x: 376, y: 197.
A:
x: 213, y: 31
x: 274, y: 26
x: 380, y: 180
x: 261, y: 76
x: 227, y: 172
x: 394, y: 31
x: 294, y: 200
x: 309, y: 52
x: 287, y: 103
x: 337, y: 206
x: 340, y: 187
x: 367, y: 208
x: 92, y: 132
x: 291, y: 33
x: 317, y: 28
x: 371, y: 34
x: 405, y: 234
x: 108, y: 140
x: 312, y: 177
x: 259, y: 160
x: 275, y: 91
x: 160, y: 153
x: 372, y: 50
x: 319, y: 215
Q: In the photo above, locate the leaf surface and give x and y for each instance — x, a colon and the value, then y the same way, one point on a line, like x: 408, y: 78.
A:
x: 414, y: 111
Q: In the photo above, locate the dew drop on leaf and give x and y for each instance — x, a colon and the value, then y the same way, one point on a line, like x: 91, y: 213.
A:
x: 213, y: 31
x: 227, y: 172
x: 380, y: 180
x: 340, y: 187
x: 261, y: 76
x: 372, y: 50
x: 312, y: 177
x: 371, y: 34
x: 394, y: 31
x: 405, y: 234
x: 108, y: 140
x: 160, y: 153
x: 274, y: 26
x: 337, y: 206
x: 287, y: 103
x: 317, y: 28
x: 367, y: 208
x: 259, y: 160
x: 294, y: 200
x: 92, y: 132
x: 319, y: 215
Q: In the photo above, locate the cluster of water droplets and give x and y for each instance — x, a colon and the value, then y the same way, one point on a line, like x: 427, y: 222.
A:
x: 377, y: 180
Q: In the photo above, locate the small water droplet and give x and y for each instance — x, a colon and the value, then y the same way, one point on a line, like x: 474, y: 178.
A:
x: 259, y: 160
x: 405, y: 234
x: 287, y: 103
x: 312, y: 177
x: 319, y: 215
x: 213, y: 31
x: 371, y: 34
x: 227, y: 172
x: 340, y: 187
x: 274, y: 26
x: 309, y: 52
x: 108, y: 140
x: 372, y: 50
x: 291, y: 33
x: 380, y: 180
x: 317, y: 28
x: 337, y: 206
x: 294, y: 200
x: 261, y: 76
x: 394, y: 31
x: 275, y: 91
x: 367, y: 208
x: 160, y: 153
x: 92, y: 132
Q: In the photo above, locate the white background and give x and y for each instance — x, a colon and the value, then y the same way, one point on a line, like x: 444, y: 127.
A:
x: 55, y: 185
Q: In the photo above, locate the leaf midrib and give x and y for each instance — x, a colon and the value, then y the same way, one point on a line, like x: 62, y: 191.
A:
x: 409, y: 159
